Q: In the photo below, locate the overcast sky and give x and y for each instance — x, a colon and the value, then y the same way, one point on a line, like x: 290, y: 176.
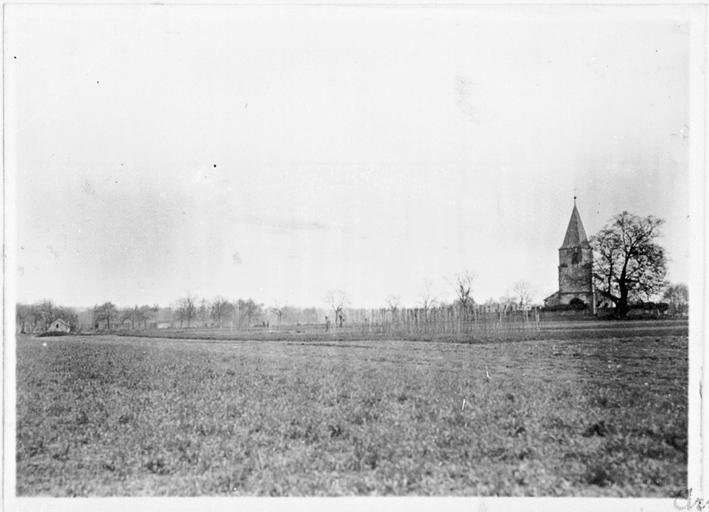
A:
x: 278, y: 153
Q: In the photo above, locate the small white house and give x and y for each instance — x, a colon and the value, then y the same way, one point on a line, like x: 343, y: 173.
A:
x: 59, y: 325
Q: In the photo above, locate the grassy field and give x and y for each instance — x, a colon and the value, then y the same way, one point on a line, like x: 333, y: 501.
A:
x: 593, y: 415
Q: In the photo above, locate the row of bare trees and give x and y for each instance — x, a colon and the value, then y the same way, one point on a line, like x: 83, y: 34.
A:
x: 463, y: 285
x: 188, y: 311
x: 108, y: 315
x: 220, y: 312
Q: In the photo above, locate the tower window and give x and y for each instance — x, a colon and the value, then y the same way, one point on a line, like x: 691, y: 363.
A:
x: 576, y: 257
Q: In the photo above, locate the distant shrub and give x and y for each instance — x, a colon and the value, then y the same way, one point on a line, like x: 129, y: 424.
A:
x: 46, y: 334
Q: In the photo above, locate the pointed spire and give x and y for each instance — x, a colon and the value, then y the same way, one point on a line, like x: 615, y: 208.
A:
x: 575, y: 234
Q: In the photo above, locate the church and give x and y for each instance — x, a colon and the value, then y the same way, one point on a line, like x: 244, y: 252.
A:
x: 575, y: 268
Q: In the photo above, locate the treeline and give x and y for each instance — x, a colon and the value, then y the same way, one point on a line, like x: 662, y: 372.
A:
x: 38, y: 317
x: 187, y: 312
x: 219, y: 312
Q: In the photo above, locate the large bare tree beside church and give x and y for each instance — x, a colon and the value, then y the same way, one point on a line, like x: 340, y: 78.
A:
x: 628, y: 263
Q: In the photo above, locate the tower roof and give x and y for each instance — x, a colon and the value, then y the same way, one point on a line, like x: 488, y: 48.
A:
x: 575, y: 234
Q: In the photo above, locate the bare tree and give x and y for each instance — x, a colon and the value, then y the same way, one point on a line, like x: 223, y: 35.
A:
x: 393, y: 302
x: 141, y: 314
x: 523, y: 291
x: 186, y: 310
x: 428, y: 299
x: 130, y: 314
x: 337, y: 300
x: 46, y: 311
x: 464, y: 288
x: 22, y: 315
x: 249, y: 309
x: 221, y: 310
x: 278, y: 313
x: 146, y: 313
x: 203, y: 312
x: 27, y: 317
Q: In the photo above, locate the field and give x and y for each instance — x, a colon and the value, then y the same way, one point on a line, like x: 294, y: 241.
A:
x: 601, y: 413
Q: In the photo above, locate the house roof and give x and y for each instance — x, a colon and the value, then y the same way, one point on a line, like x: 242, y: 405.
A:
x: 575, y: 234
x: 60, y: 320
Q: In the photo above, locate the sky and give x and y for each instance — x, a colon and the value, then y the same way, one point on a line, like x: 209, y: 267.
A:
x: 282, y: 152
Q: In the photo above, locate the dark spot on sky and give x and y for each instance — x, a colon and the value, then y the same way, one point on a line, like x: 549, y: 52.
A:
x: 215, y: 165
x: 96, y: 81
x: 14, y: 57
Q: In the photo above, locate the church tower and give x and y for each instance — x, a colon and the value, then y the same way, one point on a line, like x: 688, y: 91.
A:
x: 575, y: 266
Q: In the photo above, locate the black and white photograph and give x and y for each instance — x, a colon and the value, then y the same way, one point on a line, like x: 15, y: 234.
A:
x: 339, y: 250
